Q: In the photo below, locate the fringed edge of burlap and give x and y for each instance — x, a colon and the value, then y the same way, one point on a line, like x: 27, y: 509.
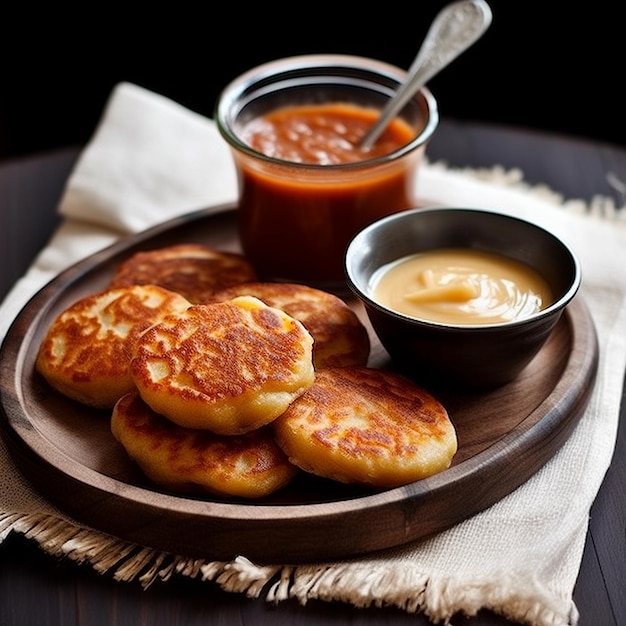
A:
x: 361, y: 584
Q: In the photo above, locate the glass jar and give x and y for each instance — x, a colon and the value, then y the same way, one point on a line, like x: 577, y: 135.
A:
x: 295, y: 219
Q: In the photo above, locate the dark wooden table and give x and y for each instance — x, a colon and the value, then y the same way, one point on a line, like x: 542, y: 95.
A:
x: 38, y: 590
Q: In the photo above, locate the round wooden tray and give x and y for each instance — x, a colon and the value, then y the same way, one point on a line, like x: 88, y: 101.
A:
x: 68, y: 453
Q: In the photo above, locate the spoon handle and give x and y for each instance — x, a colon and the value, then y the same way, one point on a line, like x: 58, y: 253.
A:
x: 455, y: 28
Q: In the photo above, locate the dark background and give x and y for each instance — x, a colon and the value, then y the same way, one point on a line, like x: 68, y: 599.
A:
x: 554, y: 66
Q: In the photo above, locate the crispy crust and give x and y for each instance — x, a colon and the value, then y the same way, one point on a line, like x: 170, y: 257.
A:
x: 367, y: 426
x: 340, y: 337
x: 193, y: 270
x: 86, y: 352
x: 197, y: 461
x: 228, y: 367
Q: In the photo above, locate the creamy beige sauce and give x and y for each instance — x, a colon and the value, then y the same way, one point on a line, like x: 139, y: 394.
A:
x: 461, y: 286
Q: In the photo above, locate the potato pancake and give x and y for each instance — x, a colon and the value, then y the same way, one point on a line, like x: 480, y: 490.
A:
x: 367, y: 426
x: 193, y: 270
x: 187, y: 460
x: 228, y: 367
x: 87, y: 349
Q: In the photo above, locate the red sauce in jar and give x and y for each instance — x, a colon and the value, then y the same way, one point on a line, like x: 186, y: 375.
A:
x: 326, y: 134
x: 297, y: 218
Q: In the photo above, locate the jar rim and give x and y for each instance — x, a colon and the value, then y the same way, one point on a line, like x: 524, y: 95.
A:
x: 331, y: 65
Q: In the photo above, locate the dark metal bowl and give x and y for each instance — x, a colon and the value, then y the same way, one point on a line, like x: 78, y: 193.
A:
x: 471, y: 356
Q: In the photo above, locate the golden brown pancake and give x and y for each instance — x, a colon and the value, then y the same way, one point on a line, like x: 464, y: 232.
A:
x: 193, y: 270
x: 367, y: 426
x: 86, y: 351
x: 197, y: 461
x: 228, y: 367
x: 340, y: 339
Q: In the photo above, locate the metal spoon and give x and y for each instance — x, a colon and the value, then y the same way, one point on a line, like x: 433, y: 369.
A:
x: 455, y: 28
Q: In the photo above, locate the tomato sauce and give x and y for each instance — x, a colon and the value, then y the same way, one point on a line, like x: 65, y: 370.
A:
x: 323, y: 134
x: 299, y: 211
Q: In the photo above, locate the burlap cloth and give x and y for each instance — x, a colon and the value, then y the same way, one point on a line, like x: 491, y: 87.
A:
x: 151, y: 159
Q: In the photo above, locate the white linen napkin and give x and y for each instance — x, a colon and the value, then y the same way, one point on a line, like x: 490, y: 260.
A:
x: 151, y: 159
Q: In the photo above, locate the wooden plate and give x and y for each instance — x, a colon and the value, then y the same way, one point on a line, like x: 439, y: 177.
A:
x: 67, y: 452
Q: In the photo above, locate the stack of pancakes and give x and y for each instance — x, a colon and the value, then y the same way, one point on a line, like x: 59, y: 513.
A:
x: 219, y: 383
